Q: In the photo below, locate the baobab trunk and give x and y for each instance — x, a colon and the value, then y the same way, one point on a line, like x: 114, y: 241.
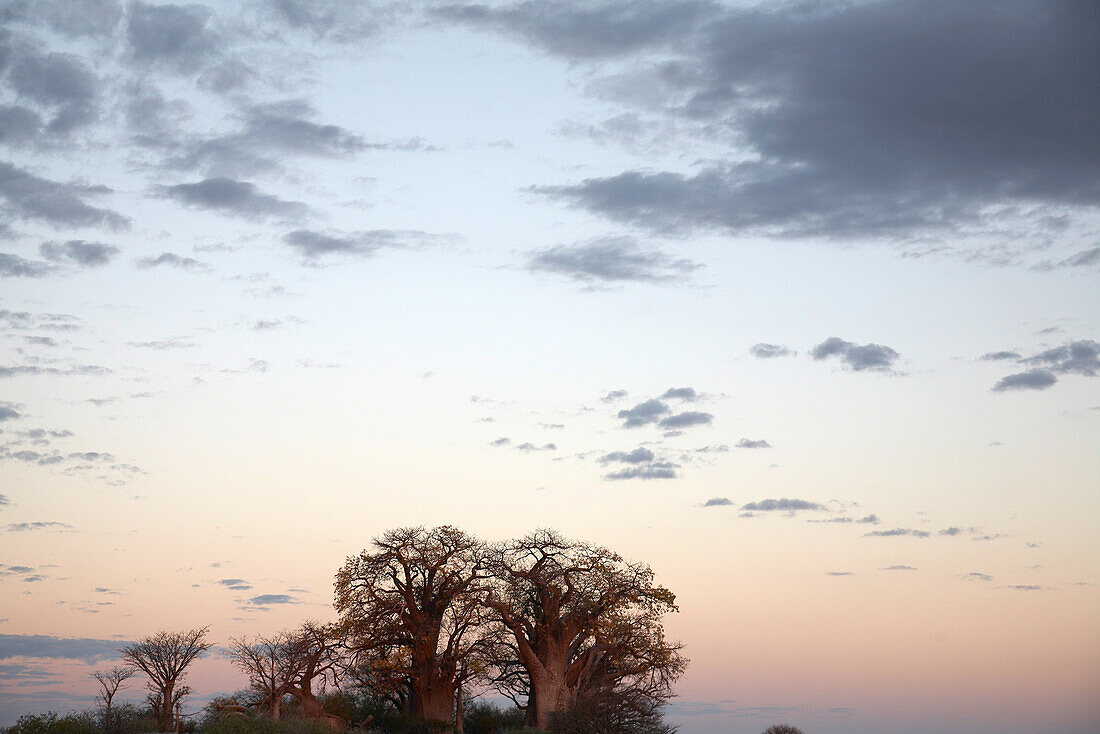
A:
x: 436, y: 704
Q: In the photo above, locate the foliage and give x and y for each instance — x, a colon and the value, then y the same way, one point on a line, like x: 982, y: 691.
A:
x: 479, y: 717
x: 612, y: 712
x: 782, y: 729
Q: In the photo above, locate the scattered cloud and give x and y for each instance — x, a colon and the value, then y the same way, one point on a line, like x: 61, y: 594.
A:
x: 532, y: 447
x: 687, y: 394
x: 618, y: 259
x: 763, y: 350
x: 858, y: 357
x: 80, y: 252
x: 268, y: 599
x: 686, y: 420
x: 1034, y: 379
x: 640, y: 455
x: 171, y: 259
x: 717, y: 502
x: 895, y: 532
x: 998, y: 356
x: 27, y: 196
x: 652, y: 470
x: 748, y: 443
x: 782, y: 505
x: 235, y: 198
x: 21, y: 527
x: 975, y: 576
x: 312, y: 245
x: 899, y: 567
x: 643, y: 414
x: 613, y: 395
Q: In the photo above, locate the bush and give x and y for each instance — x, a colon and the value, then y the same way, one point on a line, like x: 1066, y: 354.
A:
x: 480, y: 717
x: 782, y: 729
x: 84, y: 722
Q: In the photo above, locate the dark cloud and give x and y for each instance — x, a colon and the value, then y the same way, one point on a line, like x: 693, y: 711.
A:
x: 781, y: 505
x: 4, y: 501
x: 502, y: 441
x: 857, y: 357
x: 80, y: 252
x: 871, y: 519
x: 764, y: 350
x: 900, y: 568
x: 997, y: 356
x: 652, y: 470
x: 640, y: 455
x: 173, y: 260
x: 88, y: 650
x: 18, y: 124
x: 613, y: 396
x: 748, y: 443
x: 610, y: 260
x: 313, y: 245
x: 335, y: 20
x: 173, y: 35
x: 235, y: 198
x: 717, y: 502
x: 686, y: 420
x: 59, y: 204
x: 851, y: 119
x: 14, y: 266
x: 60, y: 82
x: 644, y: 413
x: 839, y: 573
x: 975, y: 576
x: 1079, y: 357
x: 584, y: 31
x: 1034, y: 379
x: 951, y: 531
x: 686, y: 394
x: 270, y: 132
x: 897, y: 532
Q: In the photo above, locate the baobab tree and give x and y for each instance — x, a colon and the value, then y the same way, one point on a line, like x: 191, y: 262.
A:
x: 271, y: 668
x: 413, y: 601
x: 110, y: 681
x: 581, y: 620
x: 317, y: 651
x: 164, y: 657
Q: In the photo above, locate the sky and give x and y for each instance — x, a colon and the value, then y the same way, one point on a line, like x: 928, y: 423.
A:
x: 797, y: 303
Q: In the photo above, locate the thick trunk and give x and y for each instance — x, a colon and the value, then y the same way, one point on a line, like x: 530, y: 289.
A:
x: 549, y: 691
x: 436, y: 704
x: 307, y: 702
x: 275, y: 709
x: 165, y: 714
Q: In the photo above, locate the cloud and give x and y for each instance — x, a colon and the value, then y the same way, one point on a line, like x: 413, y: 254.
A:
x: 1034, y: 379
x: 533, y: 447
x: 850, y: 119
x: 998, y: 356
x: 1080, y: 357
x: 14, y: 266
x: 975, y: 576
x: 781, y: 505
x: 173, y: 260
x: 312, y: 245
x: 748, y: 443
x: 687, y: 394
x: 4, y: 501
x: 266, y: 599
x: 585, y: 32
x: 951, y: 531
x: 764, y: 350
x: 335, y: 20
x: 613, y: 396
x: 895, y: 532
x: 717, y: 502
x: 18, y: 124
x: 900, y: 568
x: 1084, y: 258
x: 269, y: 133
x: 20, y: 527
x: 235, y: 198
x: 610, y: 260
x: 88, y: 650
x: 82, y: 253
x: 56, y: 81
x: 644, y: 413
x: 502, y: 441
x: 839, y: 573
x: 652, y: 470
x: 59, y: 204
x: 1024, y: 587
x: 686, y: 419
x: 858, y: 358
x: 173, y: 35
x: 640, y: 455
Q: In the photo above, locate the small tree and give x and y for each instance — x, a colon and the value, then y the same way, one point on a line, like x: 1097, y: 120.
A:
x: 782, y: 729
x: 164, y: 657
x: 271, y: 668
x: 110, y: 681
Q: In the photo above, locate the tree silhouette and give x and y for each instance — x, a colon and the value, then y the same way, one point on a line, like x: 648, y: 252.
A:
x: 164, y: 657
x: 110, y: 681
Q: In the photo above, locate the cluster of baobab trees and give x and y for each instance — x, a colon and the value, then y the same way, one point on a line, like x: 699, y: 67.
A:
x: 429, y: 616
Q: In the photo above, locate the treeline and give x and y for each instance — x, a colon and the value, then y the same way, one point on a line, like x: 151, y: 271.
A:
x: 429, y: 619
